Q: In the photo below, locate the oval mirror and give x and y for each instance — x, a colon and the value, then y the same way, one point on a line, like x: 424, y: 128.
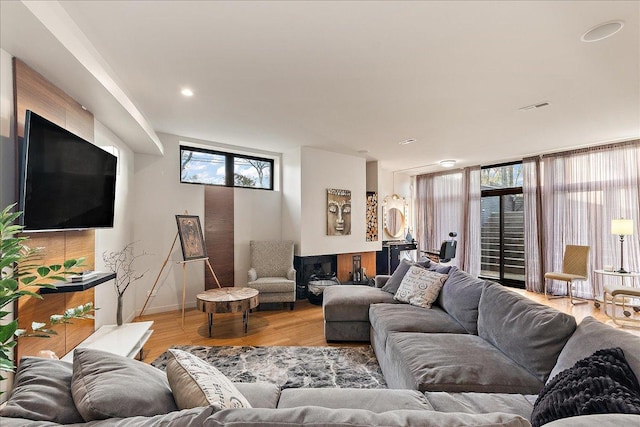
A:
x: 394, y: 222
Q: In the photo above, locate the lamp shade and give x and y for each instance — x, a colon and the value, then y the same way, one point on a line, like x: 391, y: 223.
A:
x: 622, y: 227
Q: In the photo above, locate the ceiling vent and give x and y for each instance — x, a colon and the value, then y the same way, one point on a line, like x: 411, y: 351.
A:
x: 535, y: 106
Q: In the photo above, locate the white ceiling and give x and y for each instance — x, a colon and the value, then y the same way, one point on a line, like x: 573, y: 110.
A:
x: 344, y: 76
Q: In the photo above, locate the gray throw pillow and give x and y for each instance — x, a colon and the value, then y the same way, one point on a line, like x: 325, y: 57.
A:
x: 42, y: 392
x: 420, y: 287
x: 106, y: 385
x: 394, y: 281
x: 441, y: 268
x: 460, y: 297
x: 542, y: 331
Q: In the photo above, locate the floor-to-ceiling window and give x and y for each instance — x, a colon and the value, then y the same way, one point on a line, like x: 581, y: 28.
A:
x: 502, y: 224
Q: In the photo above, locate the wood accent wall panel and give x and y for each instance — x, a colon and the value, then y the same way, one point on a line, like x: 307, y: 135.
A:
x: 218, y: 235
x: 33, y: 92
x: 345, y: 265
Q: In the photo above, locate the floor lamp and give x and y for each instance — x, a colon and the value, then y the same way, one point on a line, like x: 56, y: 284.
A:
x: 622, y: 227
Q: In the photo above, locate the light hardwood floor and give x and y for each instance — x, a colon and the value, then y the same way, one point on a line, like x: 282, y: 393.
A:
x: 301, y: 327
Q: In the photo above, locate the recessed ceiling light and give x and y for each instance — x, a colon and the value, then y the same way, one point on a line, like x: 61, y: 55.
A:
x: 447, y: 163
x: 186, y: 92
x: 407, y: 141
x: 602, y: 31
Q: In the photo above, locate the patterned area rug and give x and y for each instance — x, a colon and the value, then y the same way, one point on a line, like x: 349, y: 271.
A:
x: 292, y: 367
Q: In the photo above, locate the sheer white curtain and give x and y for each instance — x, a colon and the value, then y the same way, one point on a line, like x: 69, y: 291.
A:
x: 582, y: 192
x: 450, y: 202
x: 533, y: 232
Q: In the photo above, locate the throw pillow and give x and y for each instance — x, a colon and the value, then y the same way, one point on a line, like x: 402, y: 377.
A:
x: 420, y: 287
x: 42, y: 392
x: 598, y: 384
x: 394, y: 281
x: 106, y: 385
x: 196, y: 383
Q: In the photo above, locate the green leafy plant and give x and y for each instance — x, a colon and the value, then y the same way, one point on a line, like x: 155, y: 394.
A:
x: 22, y: 274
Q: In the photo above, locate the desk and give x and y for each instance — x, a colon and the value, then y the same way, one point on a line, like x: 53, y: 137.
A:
x: 228, y: 300
x: 388, y: 259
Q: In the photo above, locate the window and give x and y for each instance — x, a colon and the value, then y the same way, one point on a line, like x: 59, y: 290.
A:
x: 202, y: 166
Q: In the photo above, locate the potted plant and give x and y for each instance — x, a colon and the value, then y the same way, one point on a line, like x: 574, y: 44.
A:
x: 22, y: 275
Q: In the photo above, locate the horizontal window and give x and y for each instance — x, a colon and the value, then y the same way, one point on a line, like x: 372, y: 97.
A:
x: 202, y: 166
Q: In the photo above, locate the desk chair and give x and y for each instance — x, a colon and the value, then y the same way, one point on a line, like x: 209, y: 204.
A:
x: 447, y: 250
x: 574, y: 268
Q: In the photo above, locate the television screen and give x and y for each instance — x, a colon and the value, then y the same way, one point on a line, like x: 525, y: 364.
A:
x: 65, y: 181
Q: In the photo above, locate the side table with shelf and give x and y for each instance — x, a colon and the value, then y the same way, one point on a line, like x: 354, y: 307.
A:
x: 125, y: 340
x: 622, y: 294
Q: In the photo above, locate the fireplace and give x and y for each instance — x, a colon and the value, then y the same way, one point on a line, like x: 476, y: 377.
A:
x: 317, y: 265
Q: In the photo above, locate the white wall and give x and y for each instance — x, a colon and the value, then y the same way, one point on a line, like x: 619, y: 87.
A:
x: 257, y: 216
x: 116, y: 238
x: 160, y: 196
x: 320, y: 171
x: 7, y: 147
x: 7, y: 163
x: 292, y: 197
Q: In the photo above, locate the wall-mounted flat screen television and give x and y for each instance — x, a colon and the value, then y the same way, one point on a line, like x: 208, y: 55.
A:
x: 66, y: 182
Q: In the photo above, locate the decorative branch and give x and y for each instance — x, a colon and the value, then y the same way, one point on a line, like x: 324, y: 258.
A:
x: 121, y: 263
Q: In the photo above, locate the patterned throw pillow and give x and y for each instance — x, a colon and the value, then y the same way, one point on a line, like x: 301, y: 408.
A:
x: 599, y: 384
x: 420, y: 287
x: 196, y: 383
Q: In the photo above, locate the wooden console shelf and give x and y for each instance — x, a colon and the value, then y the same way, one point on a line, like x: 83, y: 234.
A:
x: 83, y: 285
x: 126, y: 340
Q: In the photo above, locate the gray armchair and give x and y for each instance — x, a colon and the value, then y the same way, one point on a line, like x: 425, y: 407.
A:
x: 272, y: 272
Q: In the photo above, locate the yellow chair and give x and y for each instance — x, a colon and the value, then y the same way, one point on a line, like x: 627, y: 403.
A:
x: 574, y: 268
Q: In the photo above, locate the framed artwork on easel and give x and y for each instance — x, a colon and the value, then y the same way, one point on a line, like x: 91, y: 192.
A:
x: 191, y: 237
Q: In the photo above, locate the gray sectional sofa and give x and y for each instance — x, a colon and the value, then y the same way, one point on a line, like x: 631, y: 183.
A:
x: 480, y: 348
x: 478, y: 357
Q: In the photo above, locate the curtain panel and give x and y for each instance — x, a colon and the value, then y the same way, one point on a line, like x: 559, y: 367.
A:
x: 450, y: 202
x: 534, y: 266
x: 582, y: 191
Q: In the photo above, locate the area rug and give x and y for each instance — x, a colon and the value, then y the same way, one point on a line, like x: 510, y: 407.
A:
x: 292, y: 367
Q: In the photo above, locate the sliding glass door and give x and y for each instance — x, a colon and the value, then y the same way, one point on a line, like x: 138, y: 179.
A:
x: 502, y: 220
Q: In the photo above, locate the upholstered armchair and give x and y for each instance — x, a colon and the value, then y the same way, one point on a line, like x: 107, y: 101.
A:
x: 272, y: 272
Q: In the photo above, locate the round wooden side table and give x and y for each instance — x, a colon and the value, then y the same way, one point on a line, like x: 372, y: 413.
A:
x: 228, y: 300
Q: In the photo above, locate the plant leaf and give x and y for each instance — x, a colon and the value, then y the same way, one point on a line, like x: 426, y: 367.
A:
x: 7, y: 331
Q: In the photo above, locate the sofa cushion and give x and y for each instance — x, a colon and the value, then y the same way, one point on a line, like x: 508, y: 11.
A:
x: 260, y: 394
x: 454, y: 363
x: 482, y: 403
x: 420, y: 287
x: 195, y: 383
x: 375, y: 400
x: 42, y: 392
x: 592, y: 335
x: 326, y: 417
x: 351, y: 302
x: 529, y: 333
x: 393, y: 283
x: 106, y: 385
x: 407, y: 318
x: 460, y: 297
x: 599, y: 420
x: 599, y: 384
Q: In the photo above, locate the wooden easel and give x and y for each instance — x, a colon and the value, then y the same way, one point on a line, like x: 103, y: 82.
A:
x: 184, y: 279
x: 184, y: 276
